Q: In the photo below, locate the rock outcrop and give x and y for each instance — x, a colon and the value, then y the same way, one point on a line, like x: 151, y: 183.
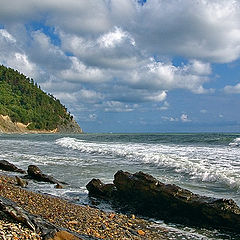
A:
x: 7, y: 166
x: 70, y: 127
x: 35, y: 173
x: 144, y: 194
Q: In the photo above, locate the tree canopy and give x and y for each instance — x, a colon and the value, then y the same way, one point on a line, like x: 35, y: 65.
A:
x: 23, y: 101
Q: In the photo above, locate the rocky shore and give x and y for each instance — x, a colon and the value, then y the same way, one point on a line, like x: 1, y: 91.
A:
x: 87, y: 222
x: 29, y: 215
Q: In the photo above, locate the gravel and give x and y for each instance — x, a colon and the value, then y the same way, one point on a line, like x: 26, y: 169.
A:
x: 80, y: 219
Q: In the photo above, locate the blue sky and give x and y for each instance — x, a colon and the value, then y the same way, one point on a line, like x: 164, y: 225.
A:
x: 129, y: 65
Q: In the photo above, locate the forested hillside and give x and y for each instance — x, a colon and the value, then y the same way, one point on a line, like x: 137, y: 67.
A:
x: 23, y: 101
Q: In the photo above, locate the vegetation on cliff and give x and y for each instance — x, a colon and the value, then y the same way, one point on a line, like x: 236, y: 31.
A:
x: 24, y: 101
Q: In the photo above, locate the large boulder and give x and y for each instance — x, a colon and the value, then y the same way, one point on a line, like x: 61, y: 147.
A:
x: 7, y: 166
x: 144, y: 194
x: 35, y: 173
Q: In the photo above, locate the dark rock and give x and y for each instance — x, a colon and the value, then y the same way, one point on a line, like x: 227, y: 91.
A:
x: 58, y: 186
x: 35, y: 173
x: 17, y: 213
x: 97, y: 188
x: 144, y: 194
x: 7, y: 166
x: 21, y: 182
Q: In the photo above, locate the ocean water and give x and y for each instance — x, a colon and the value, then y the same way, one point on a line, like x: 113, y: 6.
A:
x: 207, y: 164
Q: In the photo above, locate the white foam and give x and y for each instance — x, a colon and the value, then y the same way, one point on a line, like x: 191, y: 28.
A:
x: 235, y: 143
x: 208, y: 164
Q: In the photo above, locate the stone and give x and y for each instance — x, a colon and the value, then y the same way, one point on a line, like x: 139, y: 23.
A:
x: 58, y: 186
x: 35, y: 173
x: 7, y: 166
x: 64, y: 235
x: 73, y: 222
x: 21, y: 182
x: 97, y: 188
x: 141, y: 232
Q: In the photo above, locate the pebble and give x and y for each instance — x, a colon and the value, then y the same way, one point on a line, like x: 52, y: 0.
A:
x: 79, y: 219
x: 15, y: 231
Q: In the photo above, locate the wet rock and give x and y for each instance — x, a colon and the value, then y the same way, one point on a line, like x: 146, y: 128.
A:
x: 97, y: 188
x: 143, y: 194
x: 21, y: 182
x: 58, y: 186
x: 7, y: 166
x: 35, y: 173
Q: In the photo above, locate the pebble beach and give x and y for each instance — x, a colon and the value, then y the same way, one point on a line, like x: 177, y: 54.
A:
x: 76, y: 218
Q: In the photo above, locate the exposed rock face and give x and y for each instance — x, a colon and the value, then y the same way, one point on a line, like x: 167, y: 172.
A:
x: 8, y: 126
x: 146, y: 195
x: 35, y: 173
x: 7, y: 166
x: 70, y: 127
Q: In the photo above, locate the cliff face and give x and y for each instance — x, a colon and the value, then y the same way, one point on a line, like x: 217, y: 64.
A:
x: 69, y: 127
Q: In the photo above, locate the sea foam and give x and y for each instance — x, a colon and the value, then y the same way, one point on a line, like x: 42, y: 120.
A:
x: 208, y: 164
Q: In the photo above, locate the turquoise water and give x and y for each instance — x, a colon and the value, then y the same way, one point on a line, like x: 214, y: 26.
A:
x: 207, y: 164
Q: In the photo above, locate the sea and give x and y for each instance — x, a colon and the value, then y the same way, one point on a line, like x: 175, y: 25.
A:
x: 204, y: 163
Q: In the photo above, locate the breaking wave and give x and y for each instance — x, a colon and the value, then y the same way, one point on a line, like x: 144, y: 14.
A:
x: 208, y: 164
x: 235, y: 142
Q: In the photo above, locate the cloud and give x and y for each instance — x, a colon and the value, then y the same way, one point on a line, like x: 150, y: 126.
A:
x: 7, y: 36
x: 115, y: 106
x: 170, y: 119
x: 45, y: 54
x: 203, y: 29
x: 114, y: 54
x: 207, y: 30
x: 232, y: 89
x: 92, y: 117
x: 112, y: 39
x: 160, y: 75
x: 81, y: 73
x: 203, y: 111
x: 184, y: 118
x: 165, y: 106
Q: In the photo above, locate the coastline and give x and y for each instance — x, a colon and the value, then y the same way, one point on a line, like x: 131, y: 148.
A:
x: 7, y: 126
x: 80, y: 219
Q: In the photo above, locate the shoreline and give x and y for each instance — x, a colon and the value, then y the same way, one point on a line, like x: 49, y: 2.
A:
x: 80, y: 219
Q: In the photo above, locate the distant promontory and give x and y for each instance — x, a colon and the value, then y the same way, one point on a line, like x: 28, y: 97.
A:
x: 25, y: 108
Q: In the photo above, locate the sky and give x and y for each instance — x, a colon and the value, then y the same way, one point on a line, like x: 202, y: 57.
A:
x: 128, y: 65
